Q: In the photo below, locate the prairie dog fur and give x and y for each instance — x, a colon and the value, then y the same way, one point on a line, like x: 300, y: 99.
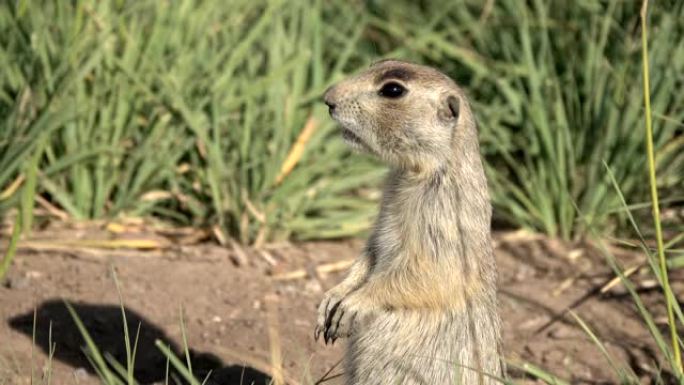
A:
x: 419, y: 304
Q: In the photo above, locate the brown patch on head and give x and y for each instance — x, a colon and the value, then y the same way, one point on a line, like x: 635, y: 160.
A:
x: 408, y: 73
x: 381, y: 61
x: 396, y: 73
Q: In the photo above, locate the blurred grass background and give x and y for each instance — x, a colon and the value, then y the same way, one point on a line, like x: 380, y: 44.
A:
x: 208, y: 113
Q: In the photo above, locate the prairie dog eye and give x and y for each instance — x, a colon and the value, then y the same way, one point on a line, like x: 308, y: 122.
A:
x: 392, y: 90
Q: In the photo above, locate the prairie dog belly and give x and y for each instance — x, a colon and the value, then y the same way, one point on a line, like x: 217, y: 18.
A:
x: 414, y: 348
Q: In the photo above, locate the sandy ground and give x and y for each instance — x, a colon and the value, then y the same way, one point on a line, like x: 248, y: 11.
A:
x: 237, y: 316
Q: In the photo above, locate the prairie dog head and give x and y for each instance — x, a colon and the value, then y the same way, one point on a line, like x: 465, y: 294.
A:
x: 409, y: 115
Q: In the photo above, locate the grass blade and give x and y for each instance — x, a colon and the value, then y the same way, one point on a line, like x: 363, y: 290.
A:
x: 654, y: 193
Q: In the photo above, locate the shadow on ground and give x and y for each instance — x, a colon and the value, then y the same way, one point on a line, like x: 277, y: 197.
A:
x: 105, y: 325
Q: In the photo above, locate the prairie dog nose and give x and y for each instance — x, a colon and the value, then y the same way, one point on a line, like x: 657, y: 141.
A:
x: 329, y: 98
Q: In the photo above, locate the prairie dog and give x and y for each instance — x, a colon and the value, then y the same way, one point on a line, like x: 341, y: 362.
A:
x: 419, y: 304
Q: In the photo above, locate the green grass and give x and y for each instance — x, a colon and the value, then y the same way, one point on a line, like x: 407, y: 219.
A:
x: 557, y: 91
x: 670, y: 299
x: 669, y: 354
x: 188, y: 112
x: 134, y: 108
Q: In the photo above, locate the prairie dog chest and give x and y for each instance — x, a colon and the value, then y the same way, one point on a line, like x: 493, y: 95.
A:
x: 416, y: 221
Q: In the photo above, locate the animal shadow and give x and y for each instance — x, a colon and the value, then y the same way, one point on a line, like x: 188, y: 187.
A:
x: 105, y: 326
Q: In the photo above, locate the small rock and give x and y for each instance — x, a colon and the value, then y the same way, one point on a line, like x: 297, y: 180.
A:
x: 563, y: 332
x: 524, y: 272
x: 533, y: 323
x: 235, y: 313
x: 313, y: 286
x: 16, y: 283
x: 34, y: 274
x: 554, y: 356
x: 80, y: 374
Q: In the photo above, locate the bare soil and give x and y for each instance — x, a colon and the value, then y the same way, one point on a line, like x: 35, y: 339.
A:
x: 238, y: 316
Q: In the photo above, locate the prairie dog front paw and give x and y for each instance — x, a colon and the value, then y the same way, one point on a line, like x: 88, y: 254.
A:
x: 338, y: 315
x: 345, y: 316
x: 330, y: 301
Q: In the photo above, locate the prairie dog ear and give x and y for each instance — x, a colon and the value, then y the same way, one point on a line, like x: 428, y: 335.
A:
x: 450, y: 108
x: 454, y: 106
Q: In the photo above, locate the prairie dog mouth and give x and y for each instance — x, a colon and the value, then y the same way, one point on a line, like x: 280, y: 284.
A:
x: 354, y: 141
x: 350, y: 137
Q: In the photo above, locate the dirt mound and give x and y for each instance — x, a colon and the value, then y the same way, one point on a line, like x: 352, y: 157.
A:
x: 237, y: 317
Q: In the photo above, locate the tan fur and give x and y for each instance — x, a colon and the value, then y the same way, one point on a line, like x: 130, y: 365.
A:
x: 419, y: 305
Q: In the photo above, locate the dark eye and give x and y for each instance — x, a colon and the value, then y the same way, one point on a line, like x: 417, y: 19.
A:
x: 392, y: 90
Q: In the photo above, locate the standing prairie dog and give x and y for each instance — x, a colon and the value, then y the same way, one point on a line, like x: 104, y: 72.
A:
x: 419, y: 304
